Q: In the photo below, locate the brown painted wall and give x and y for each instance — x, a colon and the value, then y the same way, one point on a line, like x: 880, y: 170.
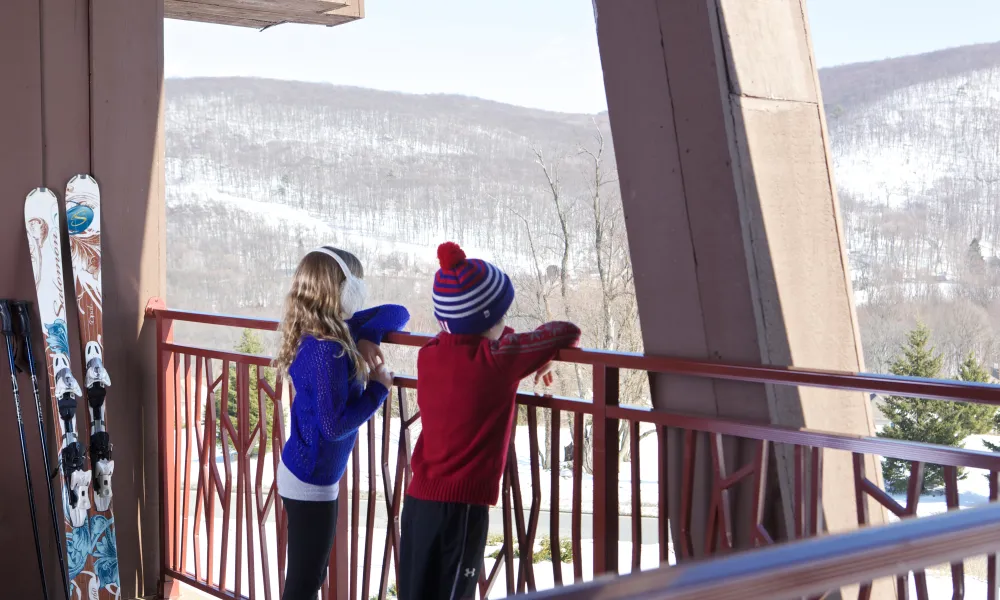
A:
x: 82, y: 93
x: 20, y: 171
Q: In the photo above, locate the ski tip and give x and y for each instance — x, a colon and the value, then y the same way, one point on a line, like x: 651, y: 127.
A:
x: 38, y: 197
x: 82, y: 177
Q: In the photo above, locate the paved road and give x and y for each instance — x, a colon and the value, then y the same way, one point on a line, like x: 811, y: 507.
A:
x: 649, y: 524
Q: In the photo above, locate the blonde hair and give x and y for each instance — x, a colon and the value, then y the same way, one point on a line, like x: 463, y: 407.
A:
x: 312, y: 307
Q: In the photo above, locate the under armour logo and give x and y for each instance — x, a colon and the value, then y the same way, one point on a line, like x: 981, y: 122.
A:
x: 470, y: 573
x: 486, y: 314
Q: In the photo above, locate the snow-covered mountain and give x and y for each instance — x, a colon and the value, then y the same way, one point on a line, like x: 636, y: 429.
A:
x: 917, y: 166
x: 259, y: 170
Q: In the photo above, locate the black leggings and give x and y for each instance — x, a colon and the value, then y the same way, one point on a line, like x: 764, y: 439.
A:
x: 311, y: 529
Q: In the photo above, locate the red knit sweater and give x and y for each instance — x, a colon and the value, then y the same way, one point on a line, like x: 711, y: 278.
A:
x: 466, y: 390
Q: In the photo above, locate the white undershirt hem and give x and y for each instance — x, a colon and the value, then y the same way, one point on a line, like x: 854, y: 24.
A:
x: 293, y: 488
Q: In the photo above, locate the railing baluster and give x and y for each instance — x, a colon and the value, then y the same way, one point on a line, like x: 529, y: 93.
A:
x: 178, y: 445
x: 663, y: 502
x: 200, y: 492
x: 816, y: 495
x: 388, y: 485
x: 403, y: 471
x: 520, y: 530
x: 636, y: 496
x: 211, y: 428
x: 536, y: 497
x: 687, y: 492
x: 186, y: 464
x: 991, y: 561
x: 576, y: 523
x: 951, y: 497
x: 605, y: 471
x: 280, y: 518
x: 799, y: 501
x: 861, y: 505
x: 263, y: 506
x: 226, y: 435
x: 759, y: 535
x: 555, y: 460
x: 508, y: 531
x: 355, y: 515
x: 370, y: 515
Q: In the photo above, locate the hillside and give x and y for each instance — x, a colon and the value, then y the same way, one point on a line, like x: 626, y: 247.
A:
x: 258, y: 171
x: 917, y: 168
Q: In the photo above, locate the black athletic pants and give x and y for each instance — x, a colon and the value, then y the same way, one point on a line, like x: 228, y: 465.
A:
x: 441, y: 549
x: 311, y: 529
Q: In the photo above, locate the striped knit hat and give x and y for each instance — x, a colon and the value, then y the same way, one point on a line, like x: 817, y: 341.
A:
x: 470, y: 295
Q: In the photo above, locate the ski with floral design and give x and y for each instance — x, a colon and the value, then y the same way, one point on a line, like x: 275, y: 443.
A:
x: 83, y: 221
x: 41, y: 219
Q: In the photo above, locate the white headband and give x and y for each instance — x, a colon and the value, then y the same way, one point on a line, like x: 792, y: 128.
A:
x: 343, y: 266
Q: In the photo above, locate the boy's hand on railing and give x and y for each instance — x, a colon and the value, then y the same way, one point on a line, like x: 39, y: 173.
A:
x: 372, y: 354
x: 545, y: 374
x: 383, y: 375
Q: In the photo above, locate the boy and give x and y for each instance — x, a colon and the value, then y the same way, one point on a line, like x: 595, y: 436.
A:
x: 466, y: 388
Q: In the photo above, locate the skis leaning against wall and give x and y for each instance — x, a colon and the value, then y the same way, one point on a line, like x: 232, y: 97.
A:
x: 83, y: 221
x: 41, y: 218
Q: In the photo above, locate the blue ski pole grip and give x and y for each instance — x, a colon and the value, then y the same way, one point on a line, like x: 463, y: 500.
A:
x: 8, y: 322
x: 23, y: 310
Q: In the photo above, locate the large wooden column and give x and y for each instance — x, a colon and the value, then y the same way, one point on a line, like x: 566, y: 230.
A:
x: 733, y: 222
x: 82, y: 93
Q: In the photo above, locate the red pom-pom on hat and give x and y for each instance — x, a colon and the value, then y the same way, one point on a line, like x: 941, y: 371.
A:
x: 450, y: 255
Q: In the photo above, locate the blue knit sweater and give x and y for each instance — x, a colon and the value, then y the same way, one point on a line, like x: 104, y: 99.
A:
x: 330, y: 403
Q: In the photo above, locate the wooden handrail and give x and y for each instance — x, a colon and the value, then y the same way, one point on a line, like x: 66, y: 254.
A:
x: 939, y: 389
x: 809, y: 567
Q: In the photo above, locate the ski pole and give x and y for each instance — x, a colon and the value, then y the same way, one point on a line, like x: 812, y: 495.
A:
x: 8, y: 333
x: 23, y: 310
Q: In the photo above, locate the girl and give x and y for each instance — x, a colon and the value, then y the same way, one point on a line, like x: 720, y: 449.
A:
x: 329, y: 349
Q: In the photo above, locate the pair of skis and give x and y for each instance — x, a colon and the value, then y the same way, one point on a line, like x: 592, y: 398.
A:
x: 91, y: 551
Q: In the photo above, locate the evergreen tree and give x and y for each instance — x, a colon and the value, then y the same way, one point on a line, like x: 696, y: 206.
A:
x: 981, y: 375
x: 975, y: 254
x: 251, y: 343
x: 930, y: 421
x: 976, y: 280
x: 982, y: 416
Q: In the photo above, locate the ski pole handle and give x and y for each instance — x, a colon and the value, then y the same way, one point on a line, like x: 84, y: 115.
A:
x: 5, y: 316
x: 23, y: 310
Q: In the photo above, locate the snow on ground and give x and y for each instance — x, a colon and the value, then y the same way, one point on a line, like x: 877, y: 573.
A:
x: 903, y: 162
x: 543, y: 570
x: 349, y: 228
x: 973, y: 491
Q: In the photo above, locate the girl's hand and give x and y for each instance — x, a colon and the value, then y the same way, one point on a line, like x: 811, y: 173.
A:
x: 383, y: 375
x: 545, y: 374
x: 372, y: 354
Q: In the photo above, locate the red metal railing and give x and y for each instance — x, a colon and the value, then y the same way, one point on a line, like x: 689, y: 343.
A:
x: 223, y: 531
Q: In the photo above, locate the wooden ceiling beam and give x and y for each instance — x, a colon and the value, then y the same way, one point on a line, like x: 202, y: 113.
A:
x: 262, y: 13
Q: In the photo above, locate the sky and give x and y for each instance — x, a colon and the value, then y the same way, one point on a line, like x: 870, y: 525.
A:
x: 535, y: 53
